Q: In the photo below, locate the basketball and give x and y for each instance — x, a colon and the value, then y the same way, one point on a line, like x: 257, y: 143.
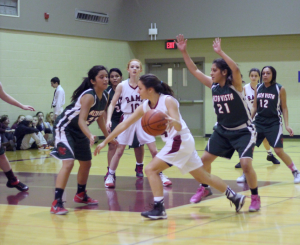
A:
x: 154, y: 122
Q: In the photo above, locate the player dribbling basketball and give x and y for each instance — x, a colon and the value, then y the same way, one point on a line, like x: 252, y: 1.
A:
x: 179, y: 149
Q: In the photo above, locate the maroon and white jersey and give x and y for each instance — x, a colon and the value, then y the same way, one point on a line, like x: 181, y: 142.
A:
x: 249, y: 95
x: 130, y: 98
x: 161, y: 106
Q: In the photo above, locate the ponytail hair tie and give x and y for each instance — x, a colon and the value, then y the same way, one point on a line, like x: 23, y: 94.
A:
x: 161, y: 82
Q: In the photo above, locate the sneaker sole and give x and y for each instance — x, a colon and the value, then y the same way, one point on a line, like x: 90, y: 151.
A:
x: 110, y: 186
x: 155, y: 217
x: 253, y: 210
x: 241, y: 204
x: 168, y: 184
x: 60, y: 213
x: 239, y: 181
x: 88, y: 203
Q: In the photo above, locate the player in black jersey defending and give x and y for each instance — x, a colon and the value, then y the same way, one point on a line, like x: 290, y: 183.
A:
x: 234, y: 129
x: 269, y: 104
x: 73, y: 137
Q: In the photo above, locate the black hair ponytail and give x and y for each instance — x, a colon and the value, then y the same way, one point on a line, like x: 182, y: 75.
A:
x: 86, y: 84
x: 152, y: 81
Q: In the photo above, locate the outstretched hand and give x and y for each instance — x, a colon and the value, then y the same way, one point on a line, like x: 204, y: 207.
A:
x: 108, y: 126
x: 181, y: 42
x: 217, y: 45
x: 27, y: 108
x: 99, y: 148
x: 290, y: 130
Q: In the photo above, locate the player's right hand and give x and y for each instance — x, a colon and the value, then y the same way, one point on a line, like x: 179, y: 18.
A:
x: 28, y: 108
x: 99, y: 148
x: 181, y: 42
x: 108, y: 126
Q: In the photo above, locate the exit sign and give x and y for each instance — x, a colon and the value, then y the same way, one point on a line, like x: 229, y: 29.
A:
x: 170, y: 44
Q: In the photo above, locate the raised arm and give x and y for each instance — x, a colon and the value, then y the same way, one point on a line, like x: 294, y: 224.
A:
x: 112, y: 105
x: 237, y: 81
x: 137, y: 114
x: 10, y: 100
x: 181, y: 45
x: 285, y: 112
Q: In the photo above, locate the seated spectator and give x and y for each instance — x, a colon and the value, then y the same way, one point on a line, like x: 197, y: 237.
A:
x: 9, y: 133
x: 16, y: 123
x: 25, y: 132
x: 50, y: 123
x: 42, y: 126
x: 50, y: 120
x: 7, y: 144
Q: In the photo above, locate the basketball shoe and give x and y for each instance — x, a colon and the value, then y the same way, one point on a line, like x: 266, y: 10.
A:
x: 255, y: 203
x: 202, y: 192
x: 164, y: 179
x: 238, y: 165
x: 139, y: 171
x: 110, y: 181
x: 158, y: 211
x: 273, y: 159
x: 242, y: 179
x: 238, y: 200
x: 58, y: 207
x: 82, y: 197
x: 106, y: 174
x: 18, y: 185
x: 296, y: 174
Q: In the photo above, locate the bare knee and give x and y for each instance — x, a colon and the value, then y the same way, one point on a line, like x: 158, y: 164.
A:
x: 150, y: 170
x: 278, y: 151
x: 68, y: 166
x: 119, y: 153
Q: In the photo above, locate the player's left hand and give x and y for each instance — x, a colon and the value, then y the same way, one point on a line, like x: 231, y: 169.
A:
x: 27, y: 108
x: 290, y: 130
x: 99, y: 148
x: 217, y: 45
x: 171, y: 122
x: 114, y: 142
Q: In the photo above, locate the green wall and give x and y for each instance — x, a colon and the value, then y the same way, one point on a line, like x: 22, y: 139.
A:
x: 282, y: 52
x: 29, y: 60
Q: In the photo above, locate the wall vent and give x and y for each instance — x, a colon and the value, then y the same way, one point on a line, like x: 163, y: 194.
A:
x: 91, y: 16
x: 9, y: 8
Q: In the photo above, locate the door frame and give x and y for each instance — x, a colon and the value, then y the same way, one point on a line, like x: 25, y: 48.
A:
x: 149, y: 62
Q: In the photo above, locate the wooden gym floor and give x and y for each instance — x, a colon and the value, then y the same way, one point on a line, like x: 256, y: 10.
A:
x: 25, y: 217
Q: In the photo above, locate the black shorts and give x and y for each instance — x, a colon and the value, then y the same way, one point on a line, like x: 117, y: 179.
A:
x: 71, y: 145
x: 224, y: 142
x: 272, y: 133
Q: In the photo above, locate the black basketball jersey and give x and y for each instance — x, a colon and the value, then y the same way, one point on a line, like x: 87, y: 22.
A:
x: 268, y: 104
x: 69, y: 117
x: 230, y: 106
x: 117, y: 113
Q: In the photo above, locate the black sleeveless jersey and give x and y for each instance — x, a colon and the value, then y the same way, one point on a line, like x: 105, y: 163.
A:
x: 230, y: 106
x: 117, y: 113
x: 268, y: 105
x: 68, y: 119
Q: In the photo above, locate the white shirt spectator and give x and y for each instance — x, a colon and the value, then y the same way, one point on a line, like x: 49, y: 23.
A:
x: 58, y: 100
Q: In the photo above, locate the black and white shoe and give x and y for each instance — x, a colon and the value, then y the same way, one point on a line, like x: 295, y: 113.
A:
x: 158, y: 211
x: 238, y: 165
x: 18, y: 185
x: 273, y: 159
x: 238, y: 200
